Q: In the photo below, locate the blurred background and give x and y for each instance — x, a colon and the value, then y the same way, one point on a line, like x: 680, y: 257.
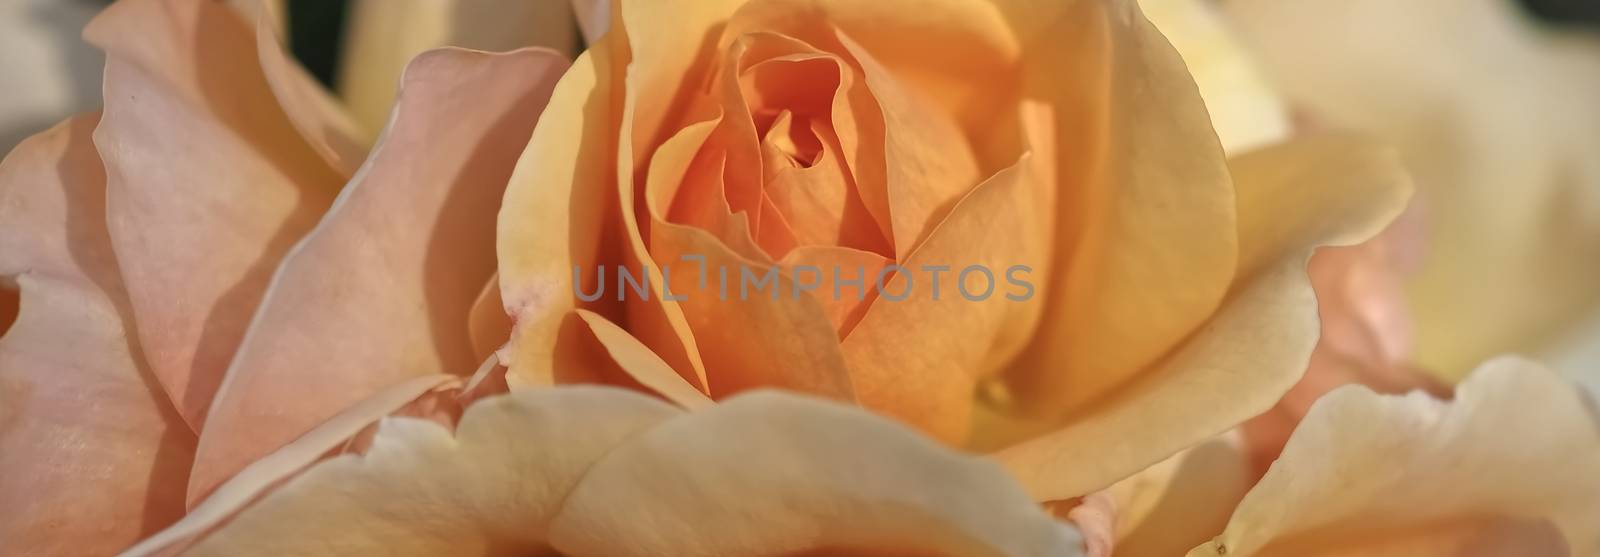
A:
x: 1494, y: 105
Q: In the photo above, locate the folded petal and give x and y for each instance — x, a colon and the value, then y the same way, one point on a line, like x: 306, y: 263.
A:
x: 1328, y: 190
x: 597, y: 471
x: 94, y: 455
x: 382, y: 290
x: 197, y: 236
x: 783, y: 475
x: 1509, y: 464
x: 322, y: 120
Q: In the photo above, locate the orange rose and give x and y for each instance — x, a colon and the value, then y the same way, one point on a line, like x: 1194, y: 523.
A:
x: 1169, y: 298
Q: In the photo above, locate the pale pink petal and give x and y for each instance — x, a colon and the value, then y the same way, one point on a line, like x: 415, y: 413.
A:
x: 208, y: 183
x: 382, y: 290
x: 92, y: 454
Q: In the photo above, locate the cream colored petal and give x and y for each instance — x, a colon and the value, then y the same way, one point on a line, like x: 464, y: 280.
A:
x: 1497, y: 119
x: 1412, y: 475
x: 92, y: 454
x: 208, y: 183
x: 382, y: 289
x: 1329, y: 190
x: 382, y: 36
x: 492, y: 488
x: 776, y: 474
x: 1245, y: 110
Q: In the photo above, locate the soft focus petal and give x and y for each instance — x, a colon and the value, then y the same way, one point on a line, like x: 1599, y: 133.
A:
x: 1294, y: 198
x: 93, y: 455
x: 382, y: 290
x: 382, y: 36
x: 1367, y: 474
x: 1498, y: 121
x: 572, y: 469
x: 1246, y: 112
x: 208, y: 183
x: 49, y: 74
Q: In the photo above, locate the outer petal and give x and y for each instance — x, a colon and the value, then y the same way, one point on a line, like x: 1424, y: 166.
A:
x: 382, y: 290
x: 382, y: 36
x: 1246, y: 111
x: 595, y: 471
x: 197, y: 236
x: 1496, y: 116
x: 1414, y: 476
x: 782, y: 475
x: 493, y: 488
x: 1292, y: 199
x: 93, y: 455
x: 1147, y: 243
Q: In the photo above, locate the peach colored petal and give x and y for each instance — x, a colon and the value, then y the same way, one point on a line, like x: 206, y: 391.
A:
x: 1294, y: 198
x: 323, y: 120
x: 844, y: 301
x: 552, y: 217
x: 641, y: 364
x: 737, y: 336
x: 921, y: 358
x: 382, y: 289
x: 197, y: 236
x: 1182, y: 501
x: 1145, y: 213
x: 94, y: 455
x: 1368, y: 474
x: 1095, y: 515
x: 267, y: 472
x: 382, y: 36
x: 492, y: 488
x: 540, y: 471
x: 782, y: 475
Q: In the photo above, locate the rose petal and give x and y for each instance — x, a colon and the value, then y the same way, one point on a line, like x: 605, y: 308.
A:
x: 94, y: 456
x: 487, y: 324
x: 781, y: 475
x: 1415, y: 476
x: 267, y: 472
x: 1496, y: 116
x: 197, y: 236
x: 312, y: 109
x: 641, y: 364
x: 382, y: 290
x: 420, y: 491
x: 382, y: 36
x: 1328, y: 190
x: 1147, y: 244
x: 920, y: 359
x: 1246, y: 112
x: 1182, y: 501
